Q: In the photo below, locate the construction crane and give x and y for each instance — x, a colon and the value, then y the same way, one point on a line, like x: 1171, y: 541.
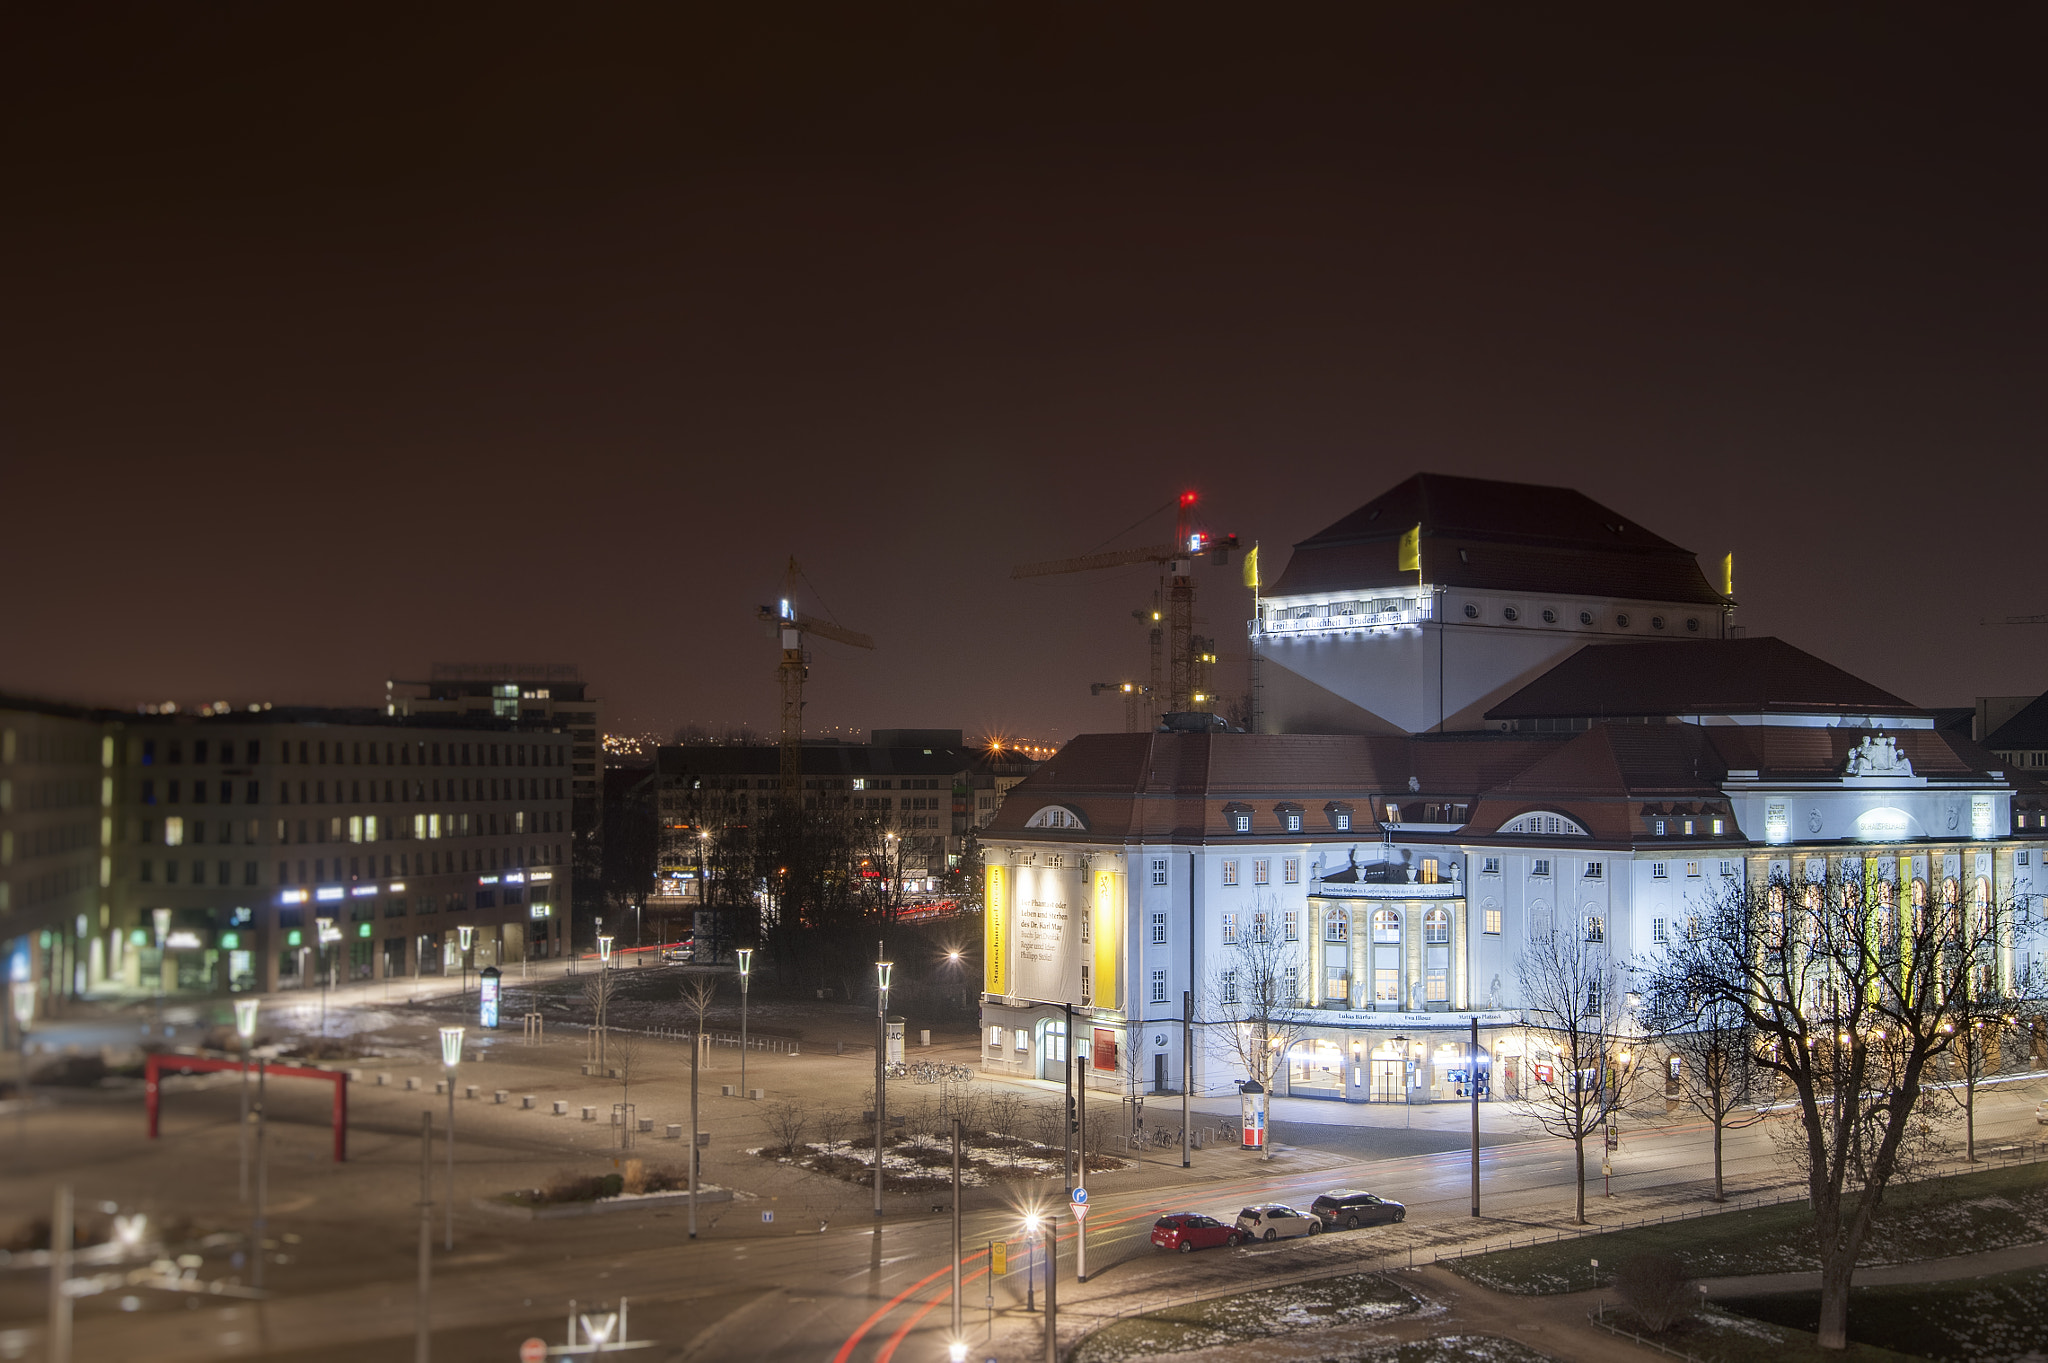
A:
x: 1183, y: 650
x: 792, y: 625
x: 1133, y: 693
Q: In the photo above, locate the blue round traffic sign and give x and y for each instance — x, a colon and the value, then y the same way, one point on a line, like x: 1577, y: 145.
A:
x: 1081, y: 1196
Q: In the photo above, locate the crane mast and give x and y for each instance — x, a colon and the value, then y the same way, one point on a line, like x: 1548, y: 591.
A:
x: 791, y: 625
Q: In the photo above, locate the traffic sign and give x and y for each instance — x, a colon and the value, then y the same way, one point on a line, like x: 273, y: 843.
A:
x: 533, y: 1351
x: 1080, y: 1211
x: 1080, y: 1197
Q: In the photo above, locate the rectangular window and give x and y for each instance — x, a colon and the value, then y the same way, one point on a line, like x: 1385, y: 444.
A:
x: 1159, y: 986
x: 1023, y: 1040
x: 1596, y: 929
x: 1344, y: 821
x: 1230, y: 986
x: 1489, y: 866
x: 1337, y: 927
x: 1492, y: 928
x: 1229, y: 927
x: 1386, y: 985
x: 1158, y: 870
x: 1660, y: 828
x: 1262, y: 872
x: 1595, y: 870
x: 1293, y: 822
x: 1087, y: 928
x: 1258, y: 927
x: 1290, y: 984
x: 1437, y: 986
x: 1657, y: 930
x: 1158, y: 929
x: 1727, y: 870
x: 1230, y: 873
x: 1720, y: 827
x: 1429, y: 873
x: 1240, y: 823
x: 1293, y: 926
x: 1686, y: 827
x: 1657, y: 870
x: 1540, y: 867
x: 1692, y: 870
x: 995, y: 1038
x: 1290, y: 870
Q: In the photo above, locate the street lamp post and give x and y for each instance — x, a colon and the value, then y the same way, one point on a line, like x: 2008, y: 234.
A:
x: 466, y: 932
x: 451, y: 1056
x: 1407, y: 1096
x: 746, y: 955
x: 1031, y: 1221
x: 160, y: 924
x: 22, y: 993
x: 245, y: 1028
x: 882, y: 969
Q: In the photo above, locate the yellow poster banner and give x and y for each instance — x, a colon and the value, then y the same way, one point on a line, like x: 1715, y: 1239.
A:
x: 1108, y: 910
x: 1411, y: 552
x: 998, y: 1257
x: 994, y: 933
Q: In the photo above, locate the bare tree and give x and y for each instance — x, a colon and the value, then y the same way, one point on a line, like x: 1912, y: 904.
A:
x: 597, y: 992
x: 1256, y: 993
x: 788, y: 1120
x: 832, y: 1123
x: 1854, y: 985
x: 1713, y: 1056
x: 698, y: 996
x: 1575, y: 997
x: 626, y: 1050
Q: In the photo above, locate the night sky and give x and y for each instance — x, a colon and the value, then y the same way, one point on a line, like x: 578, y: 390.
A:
x: 338, y: 341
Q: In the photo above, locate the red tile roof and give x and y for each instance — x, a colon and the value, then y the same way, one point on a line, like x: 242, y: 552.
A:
x: 1487, y: 535
x: 1696, y: 677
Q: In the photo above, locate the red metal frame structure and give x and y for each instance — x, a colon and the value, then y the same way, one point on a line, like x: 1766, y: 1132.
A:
x: 156, y: 1065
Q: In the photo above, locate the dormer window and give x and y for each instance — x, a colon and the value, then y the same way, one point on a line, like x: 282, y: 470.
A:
x: 1057, y: 816
x: 1339, y: 814
x: 1237, y: 818
x: 1545, y: 825
x: 1289, y: 815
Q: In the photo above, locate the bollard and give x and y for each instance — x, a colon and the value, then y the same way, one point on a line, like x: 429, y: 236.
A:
x: 412, y: 1081
x: 498, y: 1095
x: 757, y: 1094
x: 561, y: 1107
x: 675, y: 1131
x: 647, y: 1123
x: 526, y: 1101
x: 469, y: 1091
x: 589, y: 1112
x: 728, y: 1090
x: 383, y: 1078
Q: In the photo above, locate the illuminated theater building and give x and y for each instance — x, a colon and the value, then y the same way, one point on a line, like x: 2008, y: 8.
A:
x: 1599, y: 795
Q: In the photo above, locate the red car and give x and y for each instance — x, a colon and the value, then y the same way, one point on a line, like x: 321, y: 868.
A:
x: 1190, y: 1231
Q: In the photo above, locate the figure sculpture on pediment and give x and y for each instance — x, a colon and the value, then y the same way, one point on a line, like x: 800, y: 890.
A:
x: 1878, y: 757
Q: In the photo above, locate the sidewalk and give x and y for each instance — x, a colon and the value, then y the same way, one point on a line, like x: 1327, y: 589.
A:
x: 1888, y: 1275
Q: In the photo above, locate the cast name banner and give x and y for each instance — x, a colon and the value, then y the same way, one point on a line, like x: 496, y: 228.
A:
x: 1046, y: 906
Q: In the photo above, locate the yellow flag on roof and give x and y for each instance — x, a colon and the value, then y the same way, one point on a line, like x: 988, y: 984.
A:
x: 1251, y: 568
x: 1411, y: 551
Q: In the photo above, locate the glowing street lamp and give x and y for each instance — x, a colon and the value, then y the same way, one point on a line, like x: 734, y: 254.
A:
x: 746, y: 955
x: 882, y: 969
x: 451, y: 1056
x: 604, y: 952
x: 245, y: 1028
x: 465, y: 933
x: 1032, y: 1222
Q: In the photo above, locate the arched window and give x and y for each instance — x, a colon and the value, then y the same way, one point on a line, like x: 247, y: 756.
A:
x: 1386, y: 926
x: 1545, y: 825
x: 1436, y: 927
x: 1057, y: 816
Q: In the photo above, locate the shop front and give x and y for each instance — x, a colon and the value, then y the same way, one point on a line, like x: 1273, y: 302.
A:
x: 1399, y: 1058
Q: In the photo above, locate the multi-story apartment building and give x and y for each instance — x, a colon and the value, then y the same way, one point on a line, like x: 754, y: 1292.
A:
x: 56, y: 826
x: 1402, y: 876
x: 277, y: 844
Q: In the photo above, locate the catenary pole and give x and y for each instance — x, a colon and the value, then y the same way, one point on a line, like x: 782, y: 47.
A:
x: 1472, y: 1085
x: 422, y: 1346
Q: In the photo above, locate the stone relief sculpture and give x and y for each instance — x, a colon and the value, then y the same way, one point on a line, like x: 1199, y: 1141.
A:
x: 1878, y: 756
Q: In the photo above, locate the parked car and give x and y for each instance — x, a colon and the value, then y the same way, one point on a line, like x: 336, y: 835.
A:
x: 1276, y: 1221
x: 1350, y: 1208
x: 682, y: 951
x: 2041, y: 1113
x: 1190, y: 1231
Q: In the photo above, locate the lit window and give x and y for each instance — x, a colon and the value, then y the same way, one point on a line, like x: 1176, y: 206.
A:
x: 1293, y: 926
x: 1336, y: 928
x: 1492, y: 928
x: 1386, y: 926
x: 1436, y: 986
x: 995, y: 1038
x: 1290, y: 869
x: 1436, y: 927
x: 1023, y: 1040
x: 1692, y: 870
x: 1720, y: 827
x: 1261, y: 872
x: 1596, y: 929
x: 1230, y: 873
x: 1229, y: 927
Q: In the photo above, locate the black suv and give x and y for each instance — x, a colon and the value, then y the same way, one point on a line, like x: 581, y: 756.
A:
x: 1349, y: 1208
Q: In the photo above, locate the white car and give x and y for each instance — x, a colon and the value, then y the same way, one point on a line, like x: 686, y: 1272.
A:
x: 2041, y: 1113
x: 1277, y: 1221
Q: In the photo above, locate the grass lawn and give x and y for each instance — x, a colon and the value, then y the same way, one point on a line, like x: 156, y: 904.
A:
x: 1999, y: 1319
x: 1731, y: 1338
x: 1351, y: 1300
x: 1992, y: 1209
